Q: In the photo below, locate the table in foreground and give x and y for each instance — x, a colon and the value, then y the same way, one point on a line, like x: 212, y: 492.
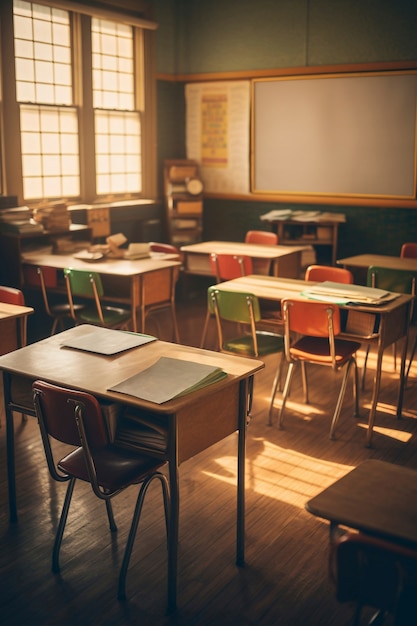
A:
x: 392, y: 321
x: 194, y: 421
x: 376, y: 497
x: 12, y: 324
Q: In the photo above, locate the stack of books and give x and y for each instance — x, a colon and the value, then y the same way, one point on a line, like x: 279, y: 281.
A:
x: 55, y: 217
x: 19, y: 220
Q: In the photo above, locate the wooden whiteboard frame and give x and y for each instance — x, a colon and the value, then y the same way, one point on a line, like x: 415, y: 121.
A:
x: 300, y: 130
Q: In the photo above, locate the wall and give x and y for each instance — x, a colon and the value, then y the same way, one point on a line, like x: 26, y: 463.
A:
x: 203, y: 36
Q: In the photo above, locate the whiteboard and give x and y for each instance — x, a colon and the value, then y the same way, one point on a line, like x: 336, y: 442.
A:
x: 335, y: 135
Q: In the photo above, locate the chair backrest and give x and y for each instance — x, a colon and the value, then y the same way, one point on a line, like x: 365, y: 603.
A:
x: 409, y: 250
x: 327, y: 272
x: 401, y: 281
x: 377, y: 573
x: 71, y: 417
x: 229, y: 266
x: 232, y: 306
x: 12, y: 296
x: 83, y: 283
x: 43, y: 277
x: 167, y: 248
x: 261, y: 236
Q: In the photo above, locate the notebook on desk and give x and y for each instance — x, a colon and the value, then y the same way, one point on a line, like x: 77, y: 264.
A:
x: 340, y: 293
x: 106, y: 341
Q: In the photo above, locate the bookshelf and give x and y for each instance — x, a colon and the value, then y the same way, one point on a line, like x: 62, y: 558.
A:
x: 183, y: 195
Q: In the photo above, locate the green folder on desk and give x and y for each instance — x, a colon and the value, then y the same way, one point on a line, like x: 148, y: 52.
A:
x: 169, y: 378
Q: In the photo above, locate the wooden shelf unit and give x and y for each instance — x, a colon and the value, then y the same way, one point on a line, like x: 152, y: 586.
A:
x: 184, y: 210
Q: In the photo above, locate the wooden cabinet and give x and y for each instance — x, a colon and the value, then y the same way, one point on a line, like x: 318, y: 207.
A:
x: 183, y: 194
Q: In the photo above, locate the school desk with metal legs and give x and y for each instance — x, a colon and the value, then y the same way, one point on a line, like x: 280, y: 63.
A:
x: 194, y: 421
x: 392, y: 321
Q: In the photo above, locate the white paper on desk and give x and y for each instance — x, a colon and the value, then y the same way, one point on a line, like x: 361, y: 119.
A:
x: 169, y: 378
x: 340, y: 293
x: 107, y: 341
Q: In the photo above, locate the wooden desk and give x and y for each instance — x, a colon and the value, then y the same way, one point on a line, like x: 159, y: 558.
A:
x: 285, y: 260
x: 195, y: 421
x: 141, y: 282
x: 376, y: 497
x: 12, y: 326
x: 393, y: 324
x: 359, y: 264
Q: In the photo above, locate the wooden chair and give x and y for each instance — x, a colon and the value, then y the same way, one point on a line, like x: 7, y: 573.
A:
x: 316, y: 324
x: 158, y: 295
x: 320, y: 273
x: 242, y: 309
x: 401, y: 281
x: 11, y: 295
x: 75, y: 418
x: 87, y: 285
x: 226, y: 267
x: 372, y: 572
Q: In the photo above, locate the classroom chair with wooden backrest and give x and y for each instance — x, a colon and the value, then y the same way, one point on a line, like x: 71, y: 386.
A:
x: 75, y: 419
x: 315, y: 326
x: 158, y: 295
x: 88, y: 285
x: 226, y: 267
x: 400, y: 281
x: 242, y: 309
x: 320, y: 273
x: 264, y: 237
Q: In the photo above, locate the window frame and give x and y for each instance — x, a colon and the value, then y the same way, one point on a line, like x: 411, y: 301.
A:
x: 11, y: 173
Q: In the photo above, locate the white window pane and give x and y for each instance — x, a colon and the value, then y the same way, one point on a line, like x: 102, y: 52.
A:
x: 62, y: 55
x: 101, y: 123
x: 44, y: 71
x: 68, y: 117
x: 50, y: 143
x: 29, y: 118
x: 132, y: 145
x: 42, y: 31
x: 110, y: 100
x: 32, y: 188
x: 133, y: 183
x: 30, y: 143
x: 42, y: 51
x: 60, y: 16
x: 108, y: 43
x: 25, y: 92
x: 116, y: 123
x: 51, y: 165
x: 22, y: 27
x: 109, y: 64
x: 102, y: 144
x: 60, y: 34
x: 63, y: 95
x: 103, y: 185
x: 126, y: 102
x: 20, y: 7
x: 70, y: 143
x: 25, y: 69
x: 52, y: 187
x: 49, y: 120
x: 102, y: 163
x: 70, y: 165
x: 62, y: 74
x: 32, y: 165
x: 23, y: 48
x: 125, y: 47
x: 45, y: 93
x: 116, y: 144
x: 117, y: 183
x: 117, y: 164
x: 133, y: 163
x: 70, y: 186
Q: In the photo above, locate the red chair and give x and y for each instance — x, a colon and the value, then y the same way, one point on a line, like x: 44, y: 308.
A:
x: 75, y: 418
x: 320, y: 273
x: 166, y: 248
x: 316, y: 326
x: 409, y: 251
x: 262, y: 236
x: 226, y: 267
x: 15, y: 296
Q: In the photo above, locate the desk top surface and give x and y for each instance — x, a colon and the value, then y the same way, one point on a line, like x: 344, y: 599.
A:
x: 379, y: 260
x: 376, y: 497
x: 121, y: 267
x: 10, y: 311
x: 254, y: 250
x: 95, y: 373
x: 276, y: 288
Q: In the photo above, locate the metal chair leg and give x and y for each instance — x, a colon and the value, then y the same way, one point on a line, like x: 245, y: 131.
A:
x: 61, y: 525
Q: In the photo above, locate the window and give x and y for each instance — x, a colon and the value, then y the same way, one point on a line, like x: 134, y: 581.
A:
x: 80, y: 107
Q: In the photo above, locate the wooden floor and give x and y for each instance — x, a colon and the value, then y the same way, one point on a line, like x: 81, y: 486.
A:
x: 284, y: 582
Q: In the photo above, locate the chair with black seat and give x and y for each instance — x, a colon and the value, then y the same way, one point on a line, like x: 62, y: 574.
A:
x: 375, y: 573
x: 87, y: 285
x: 226, y: 267
x: 75, y: 418
x: 400, y: 281
x: 316, y: 326
x: 242, y: 309
x: 320, y: 273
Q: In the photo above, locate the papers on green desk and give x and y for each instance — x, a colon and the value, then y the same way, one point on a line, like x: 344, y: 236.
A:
x: 339, y: 293
x: 169, y: 378
x: 106, y: 341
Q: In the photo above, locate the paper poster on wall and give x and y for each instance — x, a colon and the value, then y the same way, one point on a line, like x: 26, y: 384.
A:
x: 218, y: 134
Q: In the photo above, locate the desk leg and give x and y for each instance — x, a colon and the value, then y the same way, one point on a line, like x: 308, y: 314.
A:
x: 375, y: 393
x: 402, y: 377
x: 173, y: 522
x: 241, y: 453
x: 10, y: 451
